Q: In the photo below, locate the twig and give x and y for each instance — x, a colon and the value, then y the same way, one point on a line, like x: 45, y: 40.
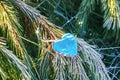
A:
x: 101, y: 49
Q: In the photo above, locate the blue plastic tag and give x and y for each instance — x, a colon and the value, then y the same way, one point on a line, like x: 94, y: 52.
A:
x: 67, y: 45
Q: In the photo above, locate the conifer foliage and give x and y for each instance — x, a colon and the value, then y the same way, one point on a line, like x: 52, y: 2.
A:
x: 28, y: 29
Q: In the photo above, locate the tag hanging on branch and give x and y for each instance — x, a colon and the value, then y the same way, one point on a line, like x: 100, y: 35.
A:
x: 66, y: 46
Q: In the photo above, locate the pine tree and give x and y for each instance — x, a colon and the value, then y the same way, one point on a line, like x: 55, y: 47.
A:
x: 27, y: 36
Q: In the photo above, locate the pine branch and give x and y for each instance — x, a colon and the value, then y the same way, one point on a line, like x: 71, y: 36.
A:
x: 69, y: 68
x: 44, y: 29
x: 85, y: 9
x: 111, y: 17
x: 7, y: 58
x: 13, y: 59
x: 10, y: 26
x: 92, y: 62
